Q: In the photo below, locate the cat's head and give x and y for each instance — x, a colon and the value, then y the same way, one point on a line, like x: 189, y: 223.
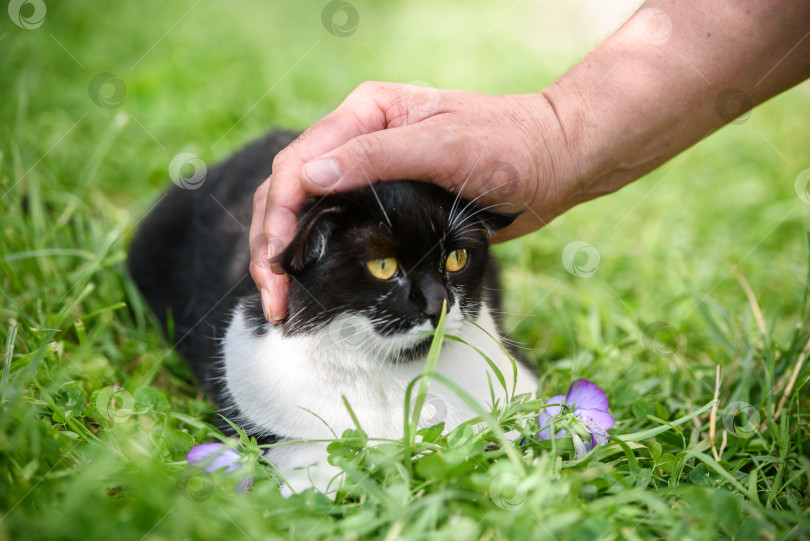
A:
x: 374, y: 266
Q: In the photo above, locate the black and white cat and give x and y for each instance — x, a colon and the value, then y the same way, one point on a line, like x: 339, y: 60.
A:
x: 370, y: 271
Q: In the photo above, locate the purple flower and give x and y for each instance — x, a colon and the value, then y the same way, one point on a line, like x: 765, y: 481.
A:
x: 582, y: 413
x: 211, y: 457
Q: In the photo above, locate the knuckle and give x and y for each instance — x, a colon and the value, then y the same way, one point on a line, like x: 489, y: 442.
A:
x: 279, y: 160
x: 334, y: 118
x: 257, y: 271
x: 367, y: 87
x: 260, y: 195
x: 256, y: 240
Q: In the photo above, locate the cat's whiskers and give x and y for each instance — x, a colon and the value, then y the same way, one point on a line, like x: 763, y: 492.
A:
x: 513, y: 343
x: 290, y: 381
x: 461, y: 191
x: 307, y: 325
x: 472, y: 202
x: 382, y: 208
x: 383, y: 349
x: 479, y: 210
x: 294, y: 316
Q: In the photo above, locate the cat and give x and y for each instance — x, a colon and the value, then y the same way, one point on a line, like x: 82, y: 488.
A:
x: 370, y: 272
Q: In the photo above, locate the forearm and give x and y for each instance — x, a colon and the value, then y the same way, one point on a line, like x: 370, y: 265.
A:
x: 638, y: 99
x: 645, y: 94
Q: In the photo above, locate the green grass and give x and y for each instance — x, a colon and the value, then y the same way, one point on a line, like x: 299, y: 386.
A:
x: 665, y: 308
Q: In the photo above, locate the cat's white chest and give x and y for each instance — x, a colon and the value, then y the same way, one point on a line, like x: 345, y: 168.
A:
x: 298, y: 387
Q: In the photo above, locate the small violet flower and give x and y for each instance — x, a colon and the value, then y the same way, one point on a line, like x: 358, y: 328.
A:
x: 580, y: 415
x: 211, y: 457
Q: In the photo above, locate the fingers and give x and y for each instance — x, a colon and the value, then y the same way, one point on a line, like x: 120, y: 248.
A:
x: 380, y: 132
x: 418, y: 151
x: 278, y: 199
x: 273, y: 287
x: 274, y: 297
x: 259, y: 269
x: 285, y: 194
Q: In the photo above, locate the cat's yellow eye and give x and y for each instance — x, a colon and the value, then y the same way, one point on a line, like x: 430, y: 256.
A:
x: 384, y: 268
x: 456, y: 260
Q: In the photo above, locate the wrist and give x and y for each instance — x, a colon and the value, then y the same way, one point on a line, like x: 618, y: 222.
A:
x: 554, y: 158
x: 661, y: 84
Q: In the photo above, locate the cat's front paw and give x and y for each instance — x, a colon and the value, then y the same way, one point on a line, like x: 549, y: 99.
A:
x: 305, y: 466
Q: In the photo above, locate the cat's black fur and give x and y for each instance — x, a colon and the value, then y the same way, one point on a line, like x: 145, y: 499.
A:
x: 406, y: 218
x: 190, y: 258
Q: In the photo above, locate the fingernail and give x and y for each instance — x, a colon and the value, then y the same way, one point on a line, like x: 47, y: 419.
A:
x: 324, y: 173
x: 265, y: 304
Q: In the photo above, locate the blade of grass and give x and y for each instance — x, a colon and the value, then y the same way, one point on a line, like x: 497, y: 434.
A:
x: 650, y: 432
x: 424, y: 380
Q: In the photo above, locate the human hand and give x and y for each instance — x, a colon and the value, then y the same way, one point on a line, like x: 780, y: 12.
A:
x: 504, y: 151
x: 641, y: 97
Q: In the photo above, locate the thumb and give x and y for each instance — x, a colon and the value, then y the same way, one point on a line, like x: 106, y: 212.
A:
x: 418, y: 151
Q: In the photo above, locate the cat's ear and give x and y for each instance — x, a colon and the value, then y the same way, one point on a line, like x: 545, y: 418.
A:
x: 494, y: 220
x: 309, y: 243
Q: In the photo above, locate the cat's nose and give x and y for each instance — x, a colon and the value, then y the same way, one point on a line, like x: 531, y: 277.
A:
x: 433, y: 296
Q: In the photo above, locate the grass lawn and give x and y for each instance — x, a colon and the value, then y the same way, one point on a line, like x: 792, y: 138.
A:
x: 700, y: 291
